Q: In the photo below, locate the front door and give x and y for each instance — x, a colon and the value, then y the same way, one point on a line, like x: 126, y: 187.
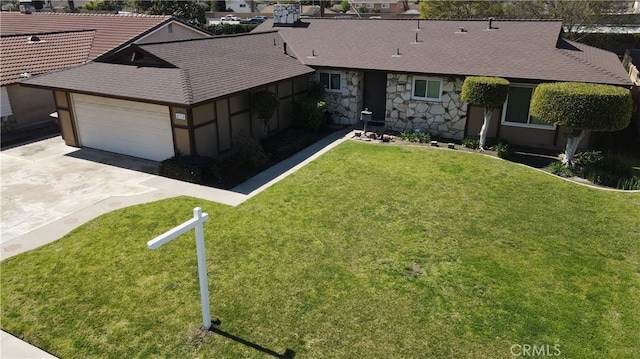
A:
x: 375, y: 88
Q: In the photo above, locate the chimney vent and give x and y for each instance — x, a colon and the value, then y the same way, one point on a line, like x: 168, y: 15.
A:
x: 490, y: 23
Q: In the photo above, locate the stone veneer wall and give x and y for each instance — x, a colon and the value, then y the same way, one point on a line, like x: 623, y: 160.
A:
x: 446, y: 118
x: 344, y: 106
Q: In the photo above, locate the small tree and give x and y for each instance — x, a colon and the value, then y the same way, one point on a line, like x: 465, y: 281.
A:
x: 265, y: 103
x: 487, y: 92
x: 582, y: 107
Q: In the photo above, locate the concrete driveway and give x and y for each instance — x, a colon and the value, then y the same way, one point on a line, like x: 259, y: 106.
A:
x: 48, y: 188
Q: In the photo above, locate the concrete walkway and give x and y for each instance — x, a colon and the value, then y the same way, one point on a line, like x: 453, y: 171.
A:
x: 156, y: 188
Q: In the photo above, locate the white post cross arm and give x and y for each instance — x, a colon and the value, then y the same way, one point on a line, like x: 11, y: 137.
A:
x: 195, y: 223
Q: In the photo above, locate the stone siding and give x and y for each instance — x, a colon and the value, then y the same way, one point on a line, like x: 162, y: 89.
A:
x: 287, y: 14
x: 446, y: 118
x: 345, y: 106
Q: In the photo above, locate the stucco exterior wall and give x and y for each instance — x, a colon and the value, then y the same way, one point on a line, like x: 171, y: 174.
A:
x: 31, y: 107
x: 446, y: 118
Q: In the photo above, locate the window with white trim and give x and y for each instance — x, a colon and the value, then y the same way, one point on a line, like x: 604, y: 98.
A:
x: 385, y: 6
x: 370, y: 5
x: 427, y: 89
x: 516, y: 109
x: 331, y: 81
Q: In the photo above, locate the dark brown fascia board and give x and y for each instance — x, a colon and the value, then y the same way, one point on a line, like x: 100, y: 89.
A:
x: 133, y: 47
x: 175, y: 104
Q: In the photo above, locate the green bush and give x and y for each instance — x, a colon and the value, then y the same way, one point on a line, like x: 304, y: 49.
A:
x: 487, y: 92
x: 560, y: 169
x: 416, y: 136
x: 582, y: 106
x: 309, y: 114
x: 249, y: 151
x: 632, y: 183
x: 502, y: 150
x: 605, y: 170
x: 194, y: 169
x: 470, y: 143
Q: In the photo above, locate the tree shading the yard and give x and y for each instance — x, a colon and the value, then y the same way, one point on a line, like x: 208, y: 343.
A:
x: 582, y: 107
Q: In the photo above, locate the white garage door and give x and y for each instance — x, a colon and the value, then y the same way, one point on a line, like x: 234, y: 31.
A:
x: 126, y: 127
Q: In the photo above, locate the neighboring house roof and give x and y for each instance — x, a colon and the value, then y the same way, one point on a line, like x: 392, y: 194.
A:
x: 111, y: 30
x: 524, y: 50
x: 203, y: 69
x: 304, y: 9
x: 32, y: 54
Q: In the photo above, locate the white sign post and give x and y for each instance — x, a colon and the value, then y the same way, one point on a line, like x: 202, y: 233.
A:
x: 195, y: 223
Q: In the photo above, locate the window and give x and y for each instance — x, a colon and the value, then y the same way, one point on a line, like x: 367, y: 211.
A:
x: 369, y: 5
x: 515, y: 111
x: 385, y: 6
x: 331, y: 81
x: 426, y: 89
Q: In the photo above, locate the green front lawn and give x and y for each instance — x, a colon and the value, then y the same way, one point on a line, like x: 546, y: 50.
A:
x: 371, y: 251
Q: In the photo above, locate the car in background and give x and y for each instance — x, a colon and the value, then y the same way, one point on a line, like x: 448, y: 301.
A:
x: 254, y: 20
x: 230, y: 17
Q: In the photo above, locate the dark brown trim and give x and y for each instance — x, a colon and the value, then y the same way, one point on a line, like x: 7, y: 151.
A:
x: 72, y: 114
x: 555, y: 135
x: 204, y: 124
x: 248, y: 109
x: 192, y: 132
x: 499, y: 123
x: 279, y: 107
x: 230, y: 122
x: 466, y: 122
x: 173, y: 131
x: 215, y: 113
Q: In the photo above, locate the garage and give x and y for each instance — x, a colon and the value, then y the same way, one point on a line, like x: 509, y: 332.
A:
x: 126, y: 127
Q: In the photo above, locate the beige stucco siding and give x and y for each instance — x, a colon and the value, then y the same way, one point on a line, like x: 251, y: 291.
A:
x: 30, y: 106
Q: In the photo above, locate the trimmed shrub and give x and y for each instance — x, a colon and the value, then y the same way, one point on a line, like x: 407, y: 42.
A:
x: 487, y: 92
x: 249, y: 151
x: 582, y: 106
x: 309, y: 114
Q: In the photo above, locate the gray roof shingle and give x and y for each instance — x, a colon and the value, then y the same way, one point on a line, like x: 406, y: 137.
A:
x: 527, y: 50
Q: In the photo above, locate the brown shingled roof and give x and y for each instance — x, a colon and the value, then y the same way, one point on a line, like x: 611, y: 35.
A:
x: 224, y: 65
x: 165, y: 85
x: 526, y: 50
x: 204, y: 69
x: 34, y: 54
x: 111, y: 30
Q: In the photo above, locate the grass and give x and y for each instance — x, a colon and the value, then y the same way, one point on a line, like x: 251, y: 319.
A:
x: 370, y: 251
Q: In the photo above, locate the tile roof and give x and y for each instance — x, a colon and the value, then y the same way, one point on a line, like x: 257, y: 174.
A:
x: 51, y: 51
x: 111, y: 30
x: 203, y: 69
x: 526, y: 50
